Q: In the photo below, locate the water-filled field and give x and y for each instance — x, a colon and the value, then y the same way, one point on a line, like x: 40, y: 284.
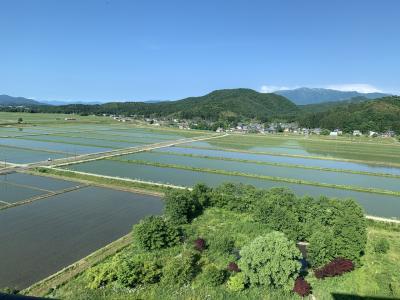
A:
x: 52, y: 233
x: 27, y: 144
x: 356, y: 149
x: 18, y: 187
x: 304, y: 161
x: 338, y: 178
x: 374, y: 204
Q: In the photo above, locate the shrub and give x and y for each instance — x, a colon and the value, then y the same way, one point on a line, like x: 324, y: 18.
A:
x: 181, y: 269
x: 133, y: 272
x: 278, y: 209
x: 180, y: 206
x: 349, y: 229
x: 155, y: 233
x: 321, y: 248
x: 237, y: 282
x: 101, y: 275
x: 336, y: 267
x: 202, y: 194
x: 221, y: 244
x: 233, y: 267
x: 212, y: 276
x: 236, y: 197
x: 381, y: 246
x: 200, y: 244
x: 271, y: 260
x: 302, y: 287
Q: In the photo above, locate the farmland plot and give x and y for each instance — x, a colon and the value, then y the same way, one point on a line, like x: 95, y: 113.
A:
x: 50, y: 234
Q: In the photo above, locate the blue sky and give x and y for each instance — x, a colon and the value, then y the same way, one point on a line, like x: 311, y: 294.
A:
x: 104, y: 50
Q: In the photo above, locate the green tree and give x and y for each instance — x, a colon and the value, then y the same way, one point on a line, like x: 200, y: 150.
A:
x: 279, y: 210
x: 155, y: 233
x: 321, y: 248
x: 237, y: 197
x: 349, y: 229
x: 271, y: 260
x: 20, y: 120
x: 201, y: 194
x: 180, y: 206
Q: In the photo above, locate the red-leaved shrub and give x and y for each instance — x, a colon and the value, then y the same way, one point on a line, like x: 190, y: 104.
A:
x: 200, y: 244
x: 233, y: 267
x: 302, y: 287
x: 336, y: 267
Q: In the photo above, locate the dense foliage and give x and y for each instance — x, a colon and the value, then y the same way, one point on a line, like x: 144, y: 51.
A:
x: 336, y: 267
x: 302, y: 287
x: 271, y: 260
x: 180, y: 206
x: 378, y: 115
x: 155, y: 233
x: 237, y: 238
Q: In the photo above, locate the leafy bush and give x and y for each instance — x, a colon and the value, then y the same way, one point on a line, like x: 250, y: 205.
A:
x: 302, y: 287
x: 221, y: 244
x: 278, y: 209
x: 233, y: 267
x: 321, y: 248
x: 271, y: 260
x: 212, y: 276
x: 236, y: 197
x: 349, y: 229
x: 201, y: 193
x: 133, y: 272
x: 336, y: 267
x: 180, y: 206
x: 381, y: 246
x: 155, y: 233
x: 101, y: 275
x: 237, y: 282
x: 181, y: 269
x: 200, y: 244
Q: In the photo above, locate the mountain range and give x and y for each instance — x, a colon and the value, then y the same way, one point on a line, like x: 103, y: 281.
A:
x: 229, y: 106
x: 303, y: 96
x: 300, y: 96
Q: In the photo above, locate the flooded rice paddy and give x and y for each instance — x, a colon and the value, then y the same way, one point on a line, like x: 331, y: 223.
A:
x: 374, y: 204
x: 52, y: 233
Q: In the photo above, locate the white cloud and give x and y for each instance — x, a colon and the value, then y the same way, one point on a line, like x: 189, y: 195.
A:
x: 273, y: 88
x: 358, y: 87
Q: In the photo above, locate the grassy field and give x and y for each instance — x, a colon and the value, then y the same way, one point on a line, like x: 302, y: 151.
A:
x: 377, y: 277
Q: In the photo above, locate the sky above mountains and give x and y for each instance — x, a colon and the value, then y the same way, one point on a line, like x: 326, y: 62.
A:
x: 103, y: 50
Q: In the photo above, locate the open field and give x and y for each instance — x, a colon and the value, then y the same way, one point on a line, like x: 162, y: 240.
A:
x: 42, y: 237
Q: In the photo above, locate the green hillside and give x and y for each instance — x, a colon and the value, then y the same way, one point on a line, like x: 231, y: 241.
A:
x: 377, y: 115
x: 234, y: 103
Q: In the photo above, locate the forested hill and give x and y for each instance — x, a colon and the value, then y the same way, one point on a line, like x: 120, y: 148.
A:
x: 377, y: 115
x: 6, y: 100
x: 220, y: 104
